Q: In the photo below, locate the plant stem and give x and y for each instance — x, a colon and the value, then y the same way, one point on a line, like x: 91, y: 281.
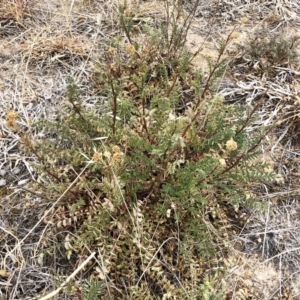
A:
x: 114, y: 107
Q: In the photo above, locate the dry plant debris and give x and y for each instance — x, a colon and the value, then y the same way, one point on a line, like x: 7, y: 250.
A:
x: 43, y: 42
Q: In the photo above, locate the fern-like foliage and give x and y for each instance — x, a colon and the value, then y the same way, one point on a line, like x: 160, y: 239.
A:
x: 93, y: 290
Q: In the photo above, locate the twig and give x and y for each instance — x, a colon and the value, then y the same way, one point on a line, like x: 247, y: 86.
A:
x: 64, y: 284
x: 114, y: 107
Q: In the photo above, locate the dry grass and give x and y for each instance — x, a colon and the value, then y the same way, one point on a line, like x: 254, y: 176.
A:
x: 44, y: 42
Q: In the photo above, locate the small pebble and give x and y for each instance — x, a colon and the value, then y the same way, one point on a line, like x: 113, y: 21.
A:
x: 21, y: 182
x: 2, y: 182
x: 16, y: 171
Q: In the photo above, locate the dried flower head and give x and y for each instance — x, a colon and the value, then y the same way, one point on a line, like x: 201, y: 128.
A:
x: 117, y: 158
x: 235, y: 35
x: 97, y: 156
x: 130, y: 49
x: 107, y: 154
x: 116, y: 149
x: 231, y: 145
x: 112, y: 50
x: 11, y: 118
x: 127, y: 12
x: 12, y: 115
x: 244, y: 20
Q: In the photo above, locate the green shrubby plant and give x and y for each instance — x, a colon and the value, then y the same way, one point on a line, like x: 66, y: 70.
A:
x: 264, y: 52
x: 161, y: 168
